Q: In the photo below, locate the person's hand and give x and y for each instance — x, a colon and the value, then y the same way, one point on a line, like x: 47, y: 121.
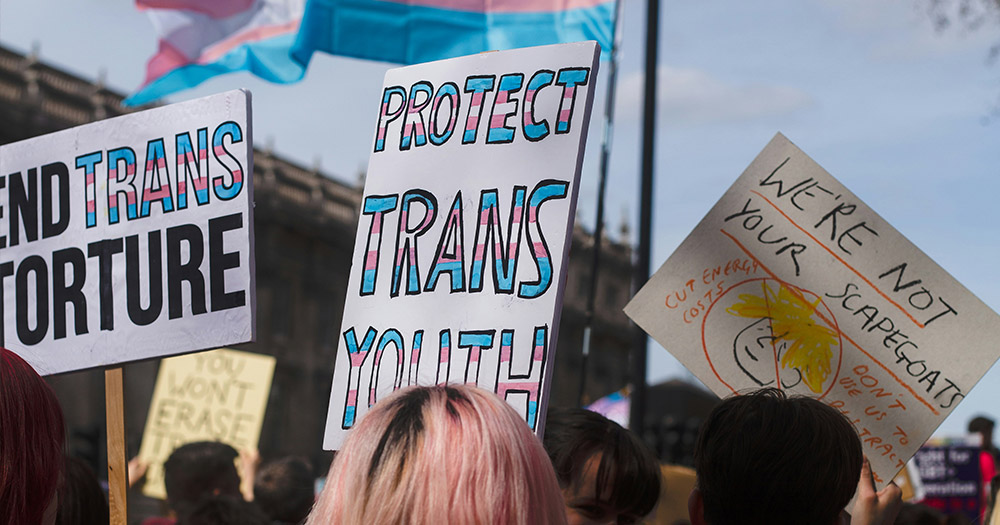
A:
x: 875, y: 508
x: 136, y: 470
x: 249, y: 461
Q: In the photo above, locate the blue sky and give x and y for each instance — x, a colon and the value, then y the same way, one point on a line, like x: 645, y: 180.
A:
x: 895, y: 110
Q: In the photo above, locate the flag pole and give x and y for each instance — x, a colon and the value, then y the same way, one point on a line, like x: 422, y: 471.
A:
x: 609, y: 118
x: 637, y: 410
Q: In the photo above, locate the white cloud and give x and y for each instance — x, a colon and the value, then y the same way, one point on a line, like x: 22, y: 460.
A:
x: 691, y: 96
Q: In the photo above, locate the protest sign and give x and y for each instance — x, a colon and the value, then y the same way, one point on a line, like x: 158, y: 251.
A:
x: 459, y: 259
x: 792, y: 282
x: 129, y: 238
x: 951, y: 478
x: 220, y: 395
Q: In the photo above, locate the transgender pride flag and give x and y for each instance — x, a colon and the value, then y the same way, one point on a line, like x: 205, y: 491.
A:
x: 203, y: 38
x: 414, y: 31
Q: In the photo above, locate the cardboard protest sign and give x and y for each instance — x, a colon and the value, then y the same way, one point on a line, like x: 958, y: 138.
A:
x: 951, y: 478
x: 792, y: 282
x: 129, y: 238
x: 219, y: 395
x: 459, y: 260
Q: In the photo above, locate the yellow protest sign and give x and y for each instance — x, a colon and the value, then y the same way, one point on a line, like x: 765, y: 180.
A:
x: 219, y: 395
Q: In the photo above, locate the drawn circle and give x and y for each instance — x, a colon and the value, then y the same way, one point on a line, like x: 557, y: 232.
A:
x: 742, y: 348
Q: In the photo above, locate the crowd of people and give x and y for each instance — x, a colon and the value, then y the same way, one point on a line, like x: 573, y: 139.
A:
x: 459, y: 454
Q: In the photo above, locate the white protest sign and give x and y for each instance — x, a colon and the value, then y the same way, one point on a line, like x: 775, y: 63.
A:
x: 792, y: 282
x: 129, y: 238
x: 459, y: 260
x: 219, y: 395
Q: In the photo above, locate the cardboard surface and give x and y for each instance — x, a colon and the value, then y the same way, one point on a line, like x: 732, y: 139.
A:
x: 459, y: 260
x: 129, y: 238
x: 791, y: 281
x: 219, y: 395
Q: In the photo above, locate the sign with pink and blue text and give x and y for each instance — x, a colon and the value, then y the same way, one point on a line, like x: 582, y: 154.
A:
x: 460, y: 256
x: 129, y: 238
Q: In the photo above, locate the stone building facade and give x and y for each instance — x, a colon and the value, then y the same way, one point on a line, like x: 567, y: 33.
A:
x: 305, y: 223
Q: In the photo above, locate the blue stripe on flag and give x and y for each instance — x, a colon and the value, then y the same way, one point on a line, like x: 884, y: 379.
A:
x: 269, y: 59
x: 396, y: 32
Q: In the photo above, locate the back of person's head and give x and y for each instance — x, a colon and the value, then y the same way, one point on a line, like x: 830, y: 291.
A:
x: 766, y: 458
x: 81, y: 499
x: 31, y: 443
x: 197, y: 471
x: 984, y: 426
x: 981, y: 424
x: 225, y: 510
x: 918, y: 514
x: 285, y: 490
x: 442, y: 454
x: 605, y: 472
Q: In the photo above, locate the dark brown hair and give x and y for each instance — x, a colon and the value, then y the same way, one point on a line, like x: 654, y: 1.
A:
x: 766, y: 458
x: 628, y: 475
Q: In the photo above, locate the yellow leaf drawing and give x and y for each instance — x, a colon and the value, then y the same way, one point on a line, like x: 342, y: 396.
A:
x: 809, y: 342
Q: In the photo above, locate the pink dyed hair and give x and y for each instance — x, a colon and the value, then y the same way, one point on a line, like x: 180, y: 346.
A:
x: 442, y: 454
x: 31, y: 442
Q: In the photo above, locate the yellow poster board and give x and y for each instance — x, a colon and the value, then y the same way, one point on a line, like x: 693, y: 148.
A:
x: 219, y: 395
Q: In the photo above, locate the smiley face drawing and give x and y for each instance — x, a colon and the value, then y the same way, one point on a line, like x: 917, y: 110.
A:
x: 766, y: 333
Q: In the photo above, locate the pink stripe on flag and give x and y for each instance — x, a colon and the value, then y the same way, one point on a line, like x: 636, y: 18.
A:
x: 166, y: 59
x: 214, y: 52
x: 352, y: 397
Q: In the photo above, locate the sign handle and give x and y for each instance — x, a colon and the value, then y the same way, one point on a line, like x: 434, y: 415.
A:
x: 114, y: 404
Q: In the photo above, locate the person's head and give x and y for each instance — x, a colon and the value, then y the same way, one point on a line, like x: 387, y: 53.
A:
x: 225, y: 510
x: 31, y: 444
x: 81, y: 499
x: 766, y: 458
x: 983, y: 426
x: 284, y: 489
x: 606, y: 474
x: 442, y: 454
x: 197, y: 471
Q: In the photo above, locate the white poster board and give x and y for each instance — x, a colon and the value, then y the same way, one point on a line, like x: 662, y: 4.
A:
x: 460, y: 256
x: 792, y: 282
x: 220, y: 395
x: 129, y: 238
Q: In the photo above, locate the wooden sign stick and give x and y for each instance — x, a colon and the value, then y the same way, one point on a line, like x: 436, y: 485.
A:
x: 114, y: 403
